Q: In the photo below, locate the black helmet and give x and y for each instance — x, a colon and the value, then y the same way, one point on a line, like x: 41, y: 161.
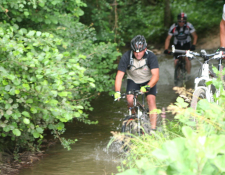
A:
x: 182, y: 16
x: 138, y: 43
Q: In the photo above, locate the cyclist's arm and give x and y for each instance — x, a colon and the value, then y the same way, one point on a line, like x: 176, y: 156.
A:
x: 118, y: 81
x: 167, y: 42
x: 222, y: 33
x: 155, y: 77
x: 195, y: 37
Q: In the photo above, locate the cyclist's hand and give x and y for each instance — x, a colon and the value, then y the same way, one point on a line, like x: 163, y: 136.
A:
x: 192, y: 47
x: 117, y: 95
x: 166, y: 51
x: 221, y: 49
x: 145, y: 88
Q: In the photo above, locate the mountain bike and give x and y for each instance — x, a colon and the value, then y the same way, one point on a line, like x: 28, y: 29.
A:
x: 138, y: 123
x: 201, y: 90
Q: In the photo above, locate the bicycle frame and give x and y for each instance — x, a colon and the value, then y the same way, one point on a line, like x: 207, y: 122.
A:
x: 204, y: 77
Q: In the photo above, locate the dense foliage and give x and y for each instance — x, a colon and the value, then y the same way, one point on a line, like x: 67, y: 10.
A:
x: 128, y: 18
x: 51, y: 67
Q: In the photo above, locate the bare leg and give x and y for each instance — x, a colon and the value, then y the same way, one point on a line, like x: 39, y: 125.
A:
x: 130, y: 102
x: 175, y: 62
x: 152, y: 106
x: 188, y: 65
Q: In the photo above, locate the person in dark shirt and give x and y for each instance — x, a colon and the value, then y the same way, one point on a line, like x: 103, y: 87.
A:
x: 141, y: 67
x: 182, y: 32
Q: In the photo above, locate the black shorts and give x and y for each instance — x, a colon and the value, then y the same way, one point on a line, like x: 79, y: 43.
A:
x: 185, y: 46
x: 131, y: 85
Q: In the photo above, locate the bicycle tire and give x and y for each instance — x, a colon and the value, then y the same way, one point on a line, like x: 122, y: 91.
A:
x: 197, y: 95
x: 128, y: 128
x: 179, y: 73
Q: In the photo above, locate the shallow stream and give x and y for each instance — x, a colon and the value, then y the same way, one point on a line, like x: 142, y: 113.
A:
x: 89, y: 155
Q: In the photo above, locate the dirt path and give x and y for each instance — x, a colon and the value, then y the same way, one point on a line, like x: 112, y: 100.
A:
x: 211, y: 41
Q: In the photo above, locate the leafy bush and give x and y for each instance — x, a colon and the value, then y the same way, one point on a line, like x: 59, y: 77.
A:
x: 49, y: 75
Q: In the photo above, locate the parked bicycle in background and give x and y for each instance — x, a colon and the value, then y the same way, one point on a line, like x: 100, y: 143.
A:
x: 203, y: 82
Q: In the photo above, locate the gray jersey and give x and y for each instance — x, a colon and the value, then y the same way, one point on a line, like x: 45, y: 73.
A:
x: 181, y: 34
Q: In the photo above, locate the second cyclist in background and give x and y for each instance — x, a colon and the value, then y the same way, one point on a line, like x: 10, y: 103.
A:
x: 182, y: 32
x: 141, y: 66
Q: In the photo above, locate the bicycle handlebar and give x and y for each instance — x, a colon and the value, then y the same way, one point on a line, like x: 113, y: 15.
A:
x: 203, y: 54
x: 133, y: 92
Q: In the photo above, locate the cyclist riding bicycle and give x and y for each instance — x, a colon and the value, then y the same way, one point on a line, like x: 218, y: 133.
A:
x: 141, y: 66
x: 182, y: 32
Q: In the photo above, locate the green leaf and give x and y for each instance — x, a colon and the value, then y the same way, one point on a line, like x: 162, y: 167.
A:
x: 17, y: 91
x: 29, y: 101
x: 26, y: 114
x: 16, y: 132
x: 39, y: 130
x: 36, y: 134
x: 26, y: 13
x: 63, y: 94
x: 38, y: 33
x: 26, y: 121
x: 60, y: 126
x: 220, y: 162
x: 30, y: 33
x: 188, y: 132
x: 33, y: 110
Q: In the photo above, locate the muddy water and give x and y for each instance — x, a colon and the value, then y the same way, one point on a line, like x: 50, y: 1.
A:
x: 89, y: 155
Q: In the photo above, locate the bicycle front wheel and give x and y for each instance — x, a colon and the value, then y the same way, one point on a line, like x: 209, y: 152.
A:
x: 129, y: 126
x: 177, y: 74
x: 197, y: 95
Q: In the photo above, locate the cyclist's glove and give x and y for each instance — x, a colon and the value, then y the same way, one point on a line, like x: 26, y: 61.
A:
x: 166, y: 51
x: 192, y: 47
x: 117, y: 95
x: 221, y: 49
x: 145, y: 88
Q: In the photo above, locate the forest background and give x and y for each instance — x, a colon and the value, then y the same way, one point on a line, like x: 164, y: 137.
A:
x: 56, y: 56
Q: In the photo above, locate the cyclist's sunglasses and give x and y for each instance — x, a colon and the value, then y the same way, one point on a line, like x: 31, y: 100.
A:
x: 181, y: 21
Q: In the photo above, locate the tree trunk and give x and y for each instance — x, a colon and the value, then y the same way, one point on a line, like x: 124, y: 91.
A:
x: 167, y: 14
